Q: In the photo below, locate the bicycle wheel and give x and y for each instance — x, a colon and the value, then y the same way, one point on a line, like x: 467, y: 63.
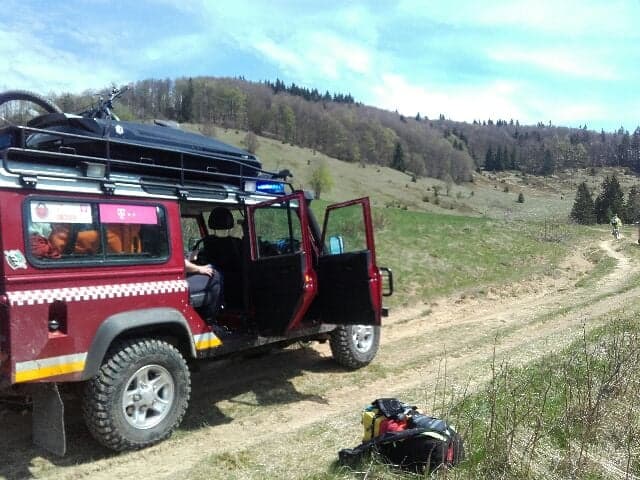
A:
x: 25, y: 96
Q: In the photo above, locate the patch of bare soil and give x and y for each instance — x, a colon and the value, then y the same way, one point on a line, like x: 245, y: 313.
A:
x: 238, y: 405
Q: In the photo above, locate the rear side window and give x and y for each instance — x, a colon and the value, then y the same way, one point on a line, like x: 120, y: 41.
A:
x: 61, y: 232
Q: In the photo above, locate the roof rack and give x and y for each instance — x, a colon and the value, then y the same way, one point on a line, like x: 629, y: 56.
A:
x: 32, y: 152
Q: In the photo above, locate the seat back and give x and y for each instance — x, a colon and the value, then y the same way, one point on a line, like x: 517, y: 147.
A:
x: 226, y: 254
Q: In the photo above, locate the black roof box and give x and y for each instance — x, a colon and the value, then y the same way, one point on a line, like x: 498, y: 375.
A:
x: 148, y: 146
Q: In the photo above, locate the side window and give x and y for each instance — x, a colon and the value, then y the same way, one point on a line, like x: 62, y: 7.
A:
x: 133, y: 230
x: 345, y: 231
x: 278, y: 231
x: 96, y: 232
x: 63, y: 229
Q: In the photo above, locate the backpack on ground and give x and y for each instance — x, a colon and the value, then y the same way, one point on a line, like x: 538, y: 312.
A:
x: 405, y: 437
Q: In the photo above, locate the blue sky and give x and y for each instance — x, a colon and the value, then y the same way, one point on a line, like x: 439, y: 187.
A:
x: 570, y: 62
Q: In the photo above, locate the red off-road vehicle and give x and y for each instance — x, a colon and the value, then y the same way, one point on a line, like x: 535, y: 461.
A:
x: 96, y: 218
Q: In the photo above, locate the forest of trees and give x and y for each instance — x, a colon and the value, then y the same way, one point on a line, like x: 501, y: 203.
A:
x: 609, y: 201
x: 337, y: 125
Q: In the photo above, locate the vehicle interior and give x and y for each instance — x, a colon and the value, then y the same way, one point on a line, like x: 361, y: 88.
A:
x: 261, y: 293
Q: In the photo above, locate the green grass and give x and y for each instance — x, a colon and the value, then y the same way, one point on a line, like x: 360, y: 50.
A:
x: 566, y: 413
x: 433, y: 255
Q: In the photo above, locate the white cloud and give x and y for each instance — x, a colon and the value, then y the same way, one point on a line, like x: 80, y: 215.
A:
x: 288, y: 60
x: 577, y: 64
x: 567, y: 18
x: 33, y: 65
x: 177, y: 47
x: 316, y: 55
x: 597, y: 113
x: 495, y: 100
x: 316, y: 44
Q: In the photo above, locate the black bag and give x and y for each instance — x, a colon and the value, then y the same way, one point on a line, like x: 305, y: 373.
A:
x: 425, y: 450
x: 428, y: 443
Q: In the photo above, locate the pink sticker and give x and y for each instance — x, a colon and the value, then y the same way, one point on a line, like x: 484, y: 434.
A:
x: 115, y: 213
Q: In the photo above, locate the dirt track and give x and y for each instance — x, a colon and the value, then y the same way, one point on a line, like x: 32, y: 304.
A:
x: 262, y: 405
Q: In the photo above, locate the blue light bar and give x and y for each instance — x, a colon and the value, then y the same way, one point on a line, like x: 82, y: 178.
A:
x: 266, y: 186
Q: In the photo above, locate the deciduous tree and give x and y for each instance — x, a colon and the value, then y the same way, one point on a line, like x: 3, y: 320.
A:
x: 250, y: 142
x: 321, y: 180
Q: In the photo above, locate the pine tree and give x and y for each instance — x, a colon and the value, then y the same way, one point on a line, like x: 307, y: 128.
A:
x: 398, y: 158
x: 583, y: 208
x: 513, y: 162
x: 632, y: 207
x: 506, y: 163
x: 610, y: 200
x: 548, y: 164
x: 499, y: 162
x: 489, y: 161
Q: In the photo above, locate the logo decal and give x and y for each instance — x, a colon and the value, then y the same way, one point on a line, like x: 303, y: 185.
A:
x: 15, y: 259
x: 119, y: 129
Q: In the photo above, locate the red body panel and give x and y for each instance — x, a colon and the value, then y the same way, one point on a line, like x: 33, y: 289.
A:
x: 83, y: 296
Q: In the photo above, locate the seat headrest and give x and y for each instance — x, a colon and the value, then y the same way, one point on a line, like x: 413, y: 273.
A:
x: 220, y: 218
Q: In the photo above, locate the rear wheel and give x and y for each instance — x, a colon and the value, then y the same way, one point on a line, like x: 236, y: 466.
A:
x: 139, y: 396
x: 355, y: 346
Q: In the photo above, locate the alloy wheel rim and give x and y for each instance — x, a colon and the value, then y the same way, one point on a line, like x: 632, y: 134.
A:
x: 148, y: 397
x: 362, y: 336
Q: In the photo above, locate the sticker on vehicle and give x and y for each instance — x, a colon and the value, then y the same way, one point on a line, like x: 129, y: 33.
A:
x: 15, y: 259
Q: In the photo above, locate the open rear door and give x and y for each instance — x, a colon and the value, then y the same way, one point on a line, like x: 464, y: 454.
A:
x: 349, y: 286
x: 281, y: 277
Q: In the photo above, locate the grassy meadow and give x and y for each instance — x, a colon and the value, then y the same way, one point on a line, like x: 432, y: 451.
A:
x: 474, y: 237
x: 541, y: 420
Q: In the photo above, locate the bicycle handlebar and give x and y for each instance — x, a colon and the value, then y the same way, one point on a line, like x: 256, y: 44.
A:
x: 105, y: 105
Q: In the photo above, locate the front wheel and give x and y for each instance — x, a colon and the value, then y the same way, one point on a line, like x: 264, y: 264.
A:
x: 355, y: 346
x: 139, y: 396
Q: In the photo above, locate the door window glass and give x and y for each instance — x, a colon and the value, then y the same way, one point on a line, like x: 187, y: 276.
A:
x: 345, y: 230
x: 278, y: 231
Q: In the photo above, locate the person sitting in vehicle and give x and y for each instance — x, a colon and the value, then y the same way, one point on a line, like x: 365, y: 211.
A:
x: 124, y: 238
x: 75, y: 238
x: 207, y: 280
x: 41, y: 247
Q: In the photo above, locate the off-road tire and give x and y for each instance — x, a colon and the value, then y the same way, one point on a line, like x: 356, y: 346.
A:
x: 348, y: 351
x: 105, y: 394
x: 25, y: 96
